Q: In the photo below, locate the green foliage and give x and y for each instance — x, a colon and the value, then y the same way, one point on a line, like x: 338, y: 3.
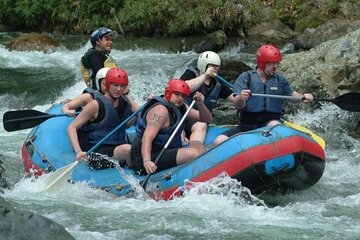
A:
x: 300, y: 14
x: 182, y: 16
x: 162, y: 17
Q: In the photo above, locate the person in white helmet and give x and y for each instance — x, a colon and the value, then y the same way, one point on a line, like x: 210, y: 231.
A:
x: 88, y: 94
x: 202, y: 78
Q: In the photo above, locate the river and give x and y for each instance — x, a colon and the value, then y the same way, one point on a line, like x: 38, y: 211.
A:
x: 328, y: 210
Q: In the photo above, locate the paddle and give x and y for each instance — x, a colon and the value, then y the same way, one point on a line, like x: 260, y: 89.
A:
x: 144, y: 182
x: 316, y: 137
x: 23, y: 119
x: 347, y: 101
x: 60, y: 176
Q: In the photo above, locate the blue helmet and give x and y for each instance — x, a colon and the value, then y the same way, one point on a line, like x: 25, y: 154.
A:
x: 100, y: 32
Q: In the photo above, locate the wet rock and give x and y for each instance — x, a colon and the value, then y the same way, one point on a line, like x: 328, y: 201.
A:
x: 3, y: 182
x: 24, y: 225
x: 215, y: 42
x: 33, y: 42
x: 272, y: 31
x: 328, y: 31
x: 330, y: 69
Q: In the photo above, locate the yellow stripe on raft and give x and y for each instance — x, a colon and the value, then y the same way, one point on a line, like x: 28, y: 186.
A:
x: 316, y: 137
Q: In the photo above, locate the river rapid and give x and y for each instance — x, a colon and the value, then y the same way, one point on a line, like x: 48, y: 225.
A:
x: 328, y: 210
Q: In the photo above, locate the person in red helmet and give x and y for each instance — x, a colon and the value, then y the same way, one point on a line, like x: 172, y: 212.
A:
x: 256, y: 112
x: 103, y: 114
x: 155, y: 124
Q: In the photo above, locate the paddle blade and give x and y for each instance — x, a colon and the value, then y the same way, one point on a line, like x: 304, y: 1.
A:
x: 58, y: 178
x: 348, y: 102
x: 317, y: 138
x: 23, y: 119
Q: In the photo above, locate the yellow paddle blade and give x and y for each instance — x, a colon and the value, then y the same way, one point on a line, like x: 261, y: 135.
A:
x: 316, y: 137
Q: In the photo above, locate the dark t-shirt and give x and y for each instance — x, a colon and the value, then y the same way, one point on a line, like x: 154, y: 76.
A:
x: 96, y: 60
x: 224, y: 93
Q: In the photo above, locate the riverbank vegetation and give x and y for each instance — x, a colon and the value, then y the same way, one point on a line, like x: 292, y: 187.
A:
x: 164, y: 17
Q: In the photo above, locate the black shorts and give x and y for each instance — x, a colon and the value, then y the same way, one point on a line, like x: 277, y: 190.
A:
x: 167, y: 159
x: 187, y: 127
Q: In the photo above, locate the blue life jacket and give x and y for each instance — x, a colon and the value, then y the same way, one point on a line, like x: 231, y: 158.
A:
x: 165, y: 133
x: 86, y: 127
x: 92, y: 92
x: 261, y: 104
x: 210, y: 99
x: 112, y: 118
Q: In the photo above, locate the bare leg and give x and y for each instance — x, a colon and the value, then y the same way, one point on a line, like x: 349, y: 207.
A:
x: 185, y: 155
x: 221, y: 138
x: 199, y: 146
x: 198, y: 132
x: 273, y: 123
x: 122, y: 154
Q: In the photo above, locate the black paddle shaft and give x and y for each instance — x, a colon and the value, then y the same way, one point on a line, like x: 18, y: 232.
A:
x: 23, y: 119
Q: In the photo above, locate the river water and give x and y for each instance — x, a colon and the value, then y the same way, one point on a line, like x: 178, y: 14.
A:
x: 328, y: 210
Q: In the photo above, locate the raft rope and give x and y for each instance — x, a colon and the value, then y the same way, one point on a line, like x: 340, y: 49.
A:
x: 43, y: 157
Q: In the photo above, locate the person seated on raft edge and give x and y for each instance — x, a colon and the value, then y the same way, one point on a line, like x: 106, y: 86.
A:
x: 155, y: 124
x: 202, y: 78
x: 256, y: 112
x: 101, y: 116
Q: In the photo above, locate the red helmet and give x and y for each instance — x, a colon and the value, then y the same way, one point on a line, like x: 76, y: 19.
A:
x: 116, y: 75
x: 267, y: 53
x: 176, y: 85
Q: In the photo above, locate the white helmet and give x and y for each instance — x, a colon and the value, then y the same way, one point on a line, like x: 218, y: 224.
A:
x: 99, y: 75
x: 206, y: 58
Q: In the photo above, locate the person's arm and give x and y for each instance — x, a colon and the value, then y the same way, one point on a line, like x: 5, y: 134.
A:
x: 89, y: 113
x: 79, y: 101
x: 308, y: 96
x: 241, y: 92
x: 202, y: 114
x: 287, y: 90
x: 156, y: 119
x: 195, y: 83
x: 134, y: 108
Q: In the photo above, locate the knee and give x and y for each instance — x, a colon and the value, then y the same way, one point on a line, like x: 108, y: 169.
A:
x: 273, y: 123
x: 199, y: 127
x: 219, y: 139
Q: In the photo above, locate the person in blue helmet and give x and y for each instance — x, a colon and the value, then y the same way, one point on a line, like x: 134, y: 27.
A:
x: 256, y: 112
x: 157, y: 122
x: 202, y: 78
x: 98, y: 56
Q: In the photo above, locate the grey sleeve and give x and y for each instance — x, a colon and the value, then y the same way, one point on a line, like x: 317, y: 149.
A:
x: 241, y: 83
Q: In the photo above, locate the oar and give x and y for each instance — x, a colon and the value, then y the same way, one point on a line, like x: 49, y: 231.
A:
x: 144, y: 182
x: 314, y: 136
x: 23, y: 119
x: 58, y: 178
x: 347, y: 101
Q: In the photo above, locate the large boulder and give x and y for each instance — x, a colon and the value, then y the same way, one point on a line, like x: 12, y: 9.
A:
x: 215, y: 41
x: 33, y: 42
x: 24, y: 225
x: 330, y: 69
x: 328, y: 31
